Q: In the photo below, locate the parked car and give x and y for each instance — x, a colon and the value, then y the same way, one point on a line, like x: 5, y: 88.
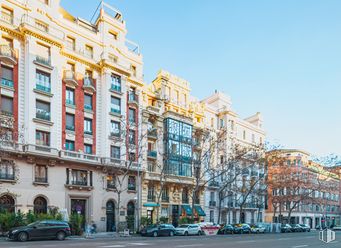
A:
x: 305, y: 227
x: 285, y: 228
x: 241, y: 228
x: 158, y: 230
x: 337, y: 228
x: 188, y: 229
x: 45, y: 229
x: 296, y: 228
x: 258, y: 228
x: 226, y: 229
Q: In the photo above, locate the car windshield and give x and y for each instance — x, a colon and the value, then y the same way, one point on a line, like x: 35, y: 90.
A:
x: 183, y: 226
x: 151, y: 226
x: 34, y: 223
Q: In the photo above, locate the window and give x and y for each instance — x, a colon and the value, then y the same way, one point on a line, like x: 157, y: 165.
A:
x: 116, y: 152
x: 116, y: 82
x: 132, y: 137
x: 87, y: 101
x: 43, y: 53
x: 132, y: 115
x: 222, y: 124
x: 89, y: 51
x: 44, y: 1
x: 132, y: 157
x: 150, y: 195
x: 70, y: 96
x: 131, y: 183
x: 42, y: 138
x: 114, y: 35
x: 69, y: 145
x: 40, y: 174
x: 40, y: 205
x: 115, y: 128
x: 6, y: 170
x: 88, y: 78
x: 165, y: 195
x: 244, y: 135
x: 116, y: 105
x: 7, y: 15
x: 253, y: 139
x: 7, y: 76
x: 79, y: 177
x: 43, y: 110
x: 6, y: 105
x: 70, y: 122
x: 70, y: 43
x: 111, y: 182
x: 133, y: 70
x: 87, y: 149
x: 132, y: 95
x: 88, y: 126
x: 185, y: 196
x: 43, y: 81
x: 212, y: 216
x: 7, y: 203
x: 260, y: 140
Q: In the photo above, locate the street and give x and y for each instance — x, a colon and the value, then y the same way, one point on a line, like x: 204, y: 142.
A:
x: 288, y: 240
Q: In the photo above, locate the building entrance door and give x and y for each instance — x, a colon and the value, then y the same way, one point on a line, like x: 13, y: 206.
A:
x: 78, y: 206
x: 110, y: 212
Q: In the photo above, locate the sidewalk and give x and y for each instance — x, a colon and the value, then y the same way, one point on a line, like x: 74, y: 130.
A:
x: 104, y: 235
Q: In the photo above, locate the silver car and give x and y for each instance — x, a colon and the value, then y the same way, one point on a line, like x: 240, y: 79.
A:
x: 188, y: 229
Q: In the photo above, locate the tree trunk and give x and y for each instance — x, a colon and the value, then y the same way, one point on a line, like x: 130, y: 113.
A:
x: 240, y: 213
x: 219, y: 208
x: 117, y: 217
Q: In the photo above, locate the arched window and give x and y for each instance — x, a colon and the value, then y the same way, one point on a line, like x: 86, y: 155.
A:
x: 40, y: 205
x: 131, y: 209
x: 7, y: 203
x: 185, y: 199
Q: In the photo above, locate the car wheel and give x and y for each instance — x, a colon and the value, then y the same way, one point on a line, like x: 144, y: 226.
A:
x: 257, y: 231
x: 199, y: 233
x: 155, y: 234
x: 60, y: 236
x: 22, y: 237
x: 186, y: 233
x: 171, y: 233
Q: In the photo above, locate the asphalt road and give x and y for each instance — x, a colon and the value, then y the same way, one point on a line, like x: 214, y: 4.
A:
x: 289, y: 240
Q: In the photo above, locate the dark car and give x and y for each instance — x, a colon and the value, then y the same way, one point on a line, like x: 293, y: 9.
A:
x: 305, y: 227
x: 296, y: 228
x: 241, y: 228
x: 226, y: 229
x: 285, y: 228
x: 158, y: 230
x: 45, y: 229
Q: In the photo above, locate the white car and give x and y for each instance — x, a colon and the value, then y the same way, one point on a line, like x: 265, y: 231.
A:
x: 188, y: 229
x: 258, y: 229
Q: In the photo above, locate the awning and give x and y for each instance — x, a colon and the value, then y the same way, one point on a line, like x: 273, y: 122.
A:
x: 187, y: 209
x: 151, y: 204
x: 199, y: 210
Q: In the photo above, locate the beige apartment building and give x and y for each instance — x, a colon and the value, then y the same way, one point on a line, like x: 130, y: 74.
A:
x: 71, y: 91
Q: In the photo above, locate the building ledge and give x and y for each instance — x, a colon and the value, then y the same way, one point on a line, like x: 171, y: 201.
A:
x: 118, y: 93
x: 79, y: 187
x: 7, y: 87
x: 40, y: 184
x: 49, y: 123
x: 43, y: 92
x: 43, y: 65
x: 12, y: 181
x: 115, y: 114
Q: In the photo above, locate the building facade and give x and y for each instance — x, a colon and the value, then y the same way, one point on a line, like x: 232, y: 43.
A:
x: 219, y: 116
x: 170, y: 118
x: 298, y: 185
x: 70, y: 90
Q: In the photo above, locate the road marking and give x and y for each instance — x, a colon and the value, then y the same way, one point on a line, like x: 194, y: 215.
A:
x: 113, y: 246
x: 246, y: 241
x: 192, y: 245
x: 299, y: 246
x: 139, y: 244
x: 283, y: 238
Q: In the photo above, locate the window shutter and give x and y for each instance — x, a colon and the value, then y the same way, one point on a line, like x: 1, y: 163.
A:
x: 67, y: 175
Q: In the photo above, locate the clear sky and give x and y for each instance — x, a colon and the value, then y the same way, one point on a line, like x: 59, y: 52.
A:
x: 281, y: 58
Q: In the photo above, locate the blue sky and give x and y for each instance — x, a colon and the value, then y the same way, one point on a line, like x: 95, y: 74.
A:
x: 282, y: 58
